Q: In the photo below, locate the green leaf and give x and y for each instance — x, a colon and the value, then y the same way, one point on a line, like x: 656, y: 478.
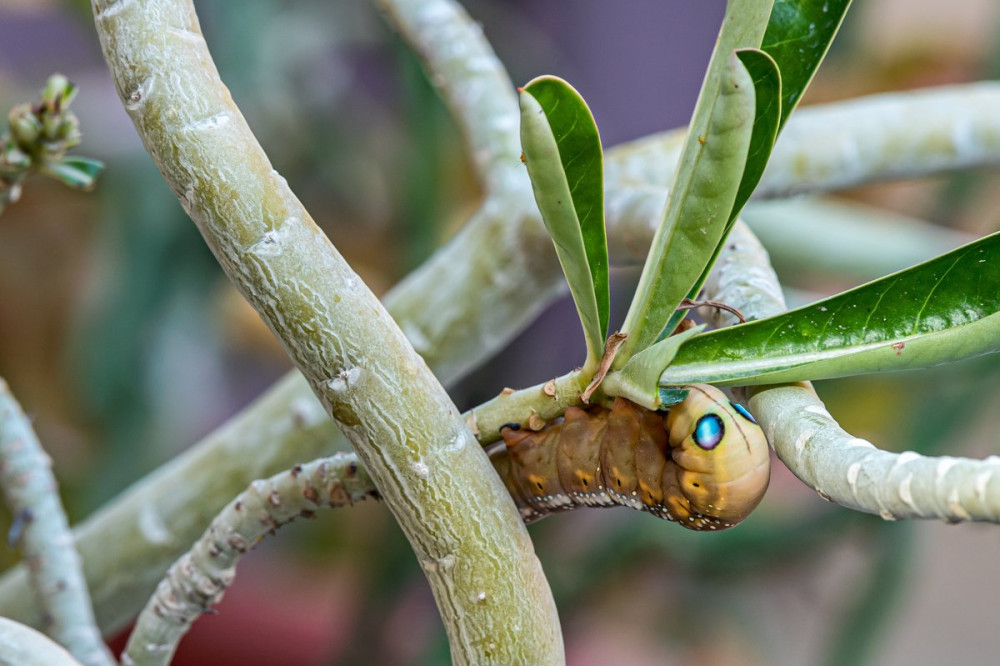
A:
x: 799, y: 33
x: 76, y: 172
x: 639, y: 379
x: 767, y: 114
x: 705, y: 181
x: 563, y: 154
x: 698, y: 209
x: 767, y: 117
x: 58, y: 92
x: 945, y: 309
x: 671, y: 396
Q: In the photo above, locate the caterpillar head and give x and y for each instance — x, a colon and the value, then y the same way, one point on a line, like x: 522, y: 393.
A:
x: 720, y: 463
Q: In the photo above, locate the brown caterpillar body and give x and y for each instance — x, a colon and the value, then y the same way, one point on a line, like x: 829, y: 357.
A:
x: 704, y: 463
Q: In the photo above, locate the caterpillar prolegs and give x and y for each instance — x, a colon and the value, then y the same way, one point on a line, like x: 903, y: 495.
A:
x: 704, y: 463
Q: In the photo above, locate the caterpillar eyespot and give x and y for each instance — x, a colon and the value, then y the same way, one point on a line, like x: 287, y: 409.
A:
x: 709, y: 431
x: 703, y: 464
x: 742, y: 411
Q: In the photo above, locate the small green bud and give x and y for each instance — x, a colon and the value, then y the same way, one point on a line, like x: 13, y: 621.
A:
x: 24, y: 126
x: 58, y: 92
x: 50, y: 126
x: 69, y: 130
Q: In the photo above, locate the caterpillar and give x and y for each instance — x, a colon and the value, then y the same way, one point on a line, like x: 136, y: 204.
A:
x: 703, y: 464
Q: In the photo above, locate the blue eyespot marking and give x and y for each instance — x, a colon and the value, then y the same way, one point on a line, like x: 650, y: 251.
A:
x: 743, y: 412
x: 709, y: 431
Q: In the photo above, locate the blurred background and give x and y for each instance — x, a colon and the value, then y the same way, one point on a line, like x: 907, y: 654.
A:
x: 121, y: 337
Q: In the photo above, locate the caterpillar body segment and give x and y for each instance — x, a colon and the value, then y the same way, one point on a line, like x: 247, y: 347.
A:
x: 703, y: 464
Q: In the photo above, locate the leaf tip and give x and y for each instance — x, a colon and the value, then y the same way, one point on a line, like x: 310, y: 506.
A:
x: 672, y: 395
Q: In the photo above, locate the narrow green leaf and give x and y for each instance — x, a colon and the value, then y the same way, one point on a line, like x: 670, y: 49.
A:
x: 767, y: 117
x: 799, y: 33
x: 76, y: 172
x: 943, y: 310
x: 698, y: 210
x: 685, y: 241
x: 58, y: 89
x: 563, y: 153
x: 639, y: 379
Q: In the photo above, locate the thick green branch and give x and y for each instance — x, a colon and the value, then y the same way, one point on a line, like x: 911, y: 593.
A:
x: 429, y: 469
x: 468, y: 301
x: 54, y: 566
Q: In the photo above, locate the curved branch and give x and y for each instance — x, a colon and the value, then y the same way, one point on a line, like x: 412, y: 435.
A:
x: 429, y: 469
x: 22, y: 645
x: 743, y: 278
x: 469, y: 77
x: 129, y: 543
x: 838, y: 466
x: 198, y: 580
x: 853, y: 473
x: 468, y: 301
x: 54, y: 566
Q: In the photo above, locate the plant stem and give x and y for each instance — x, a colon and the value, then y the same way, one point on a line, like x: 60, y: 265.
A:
x: 21, y: 645
x: 198, y: 580
x: 528, y: 407
x: 433, y: 475
x: 469, y: 77
x: 54, y: 566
